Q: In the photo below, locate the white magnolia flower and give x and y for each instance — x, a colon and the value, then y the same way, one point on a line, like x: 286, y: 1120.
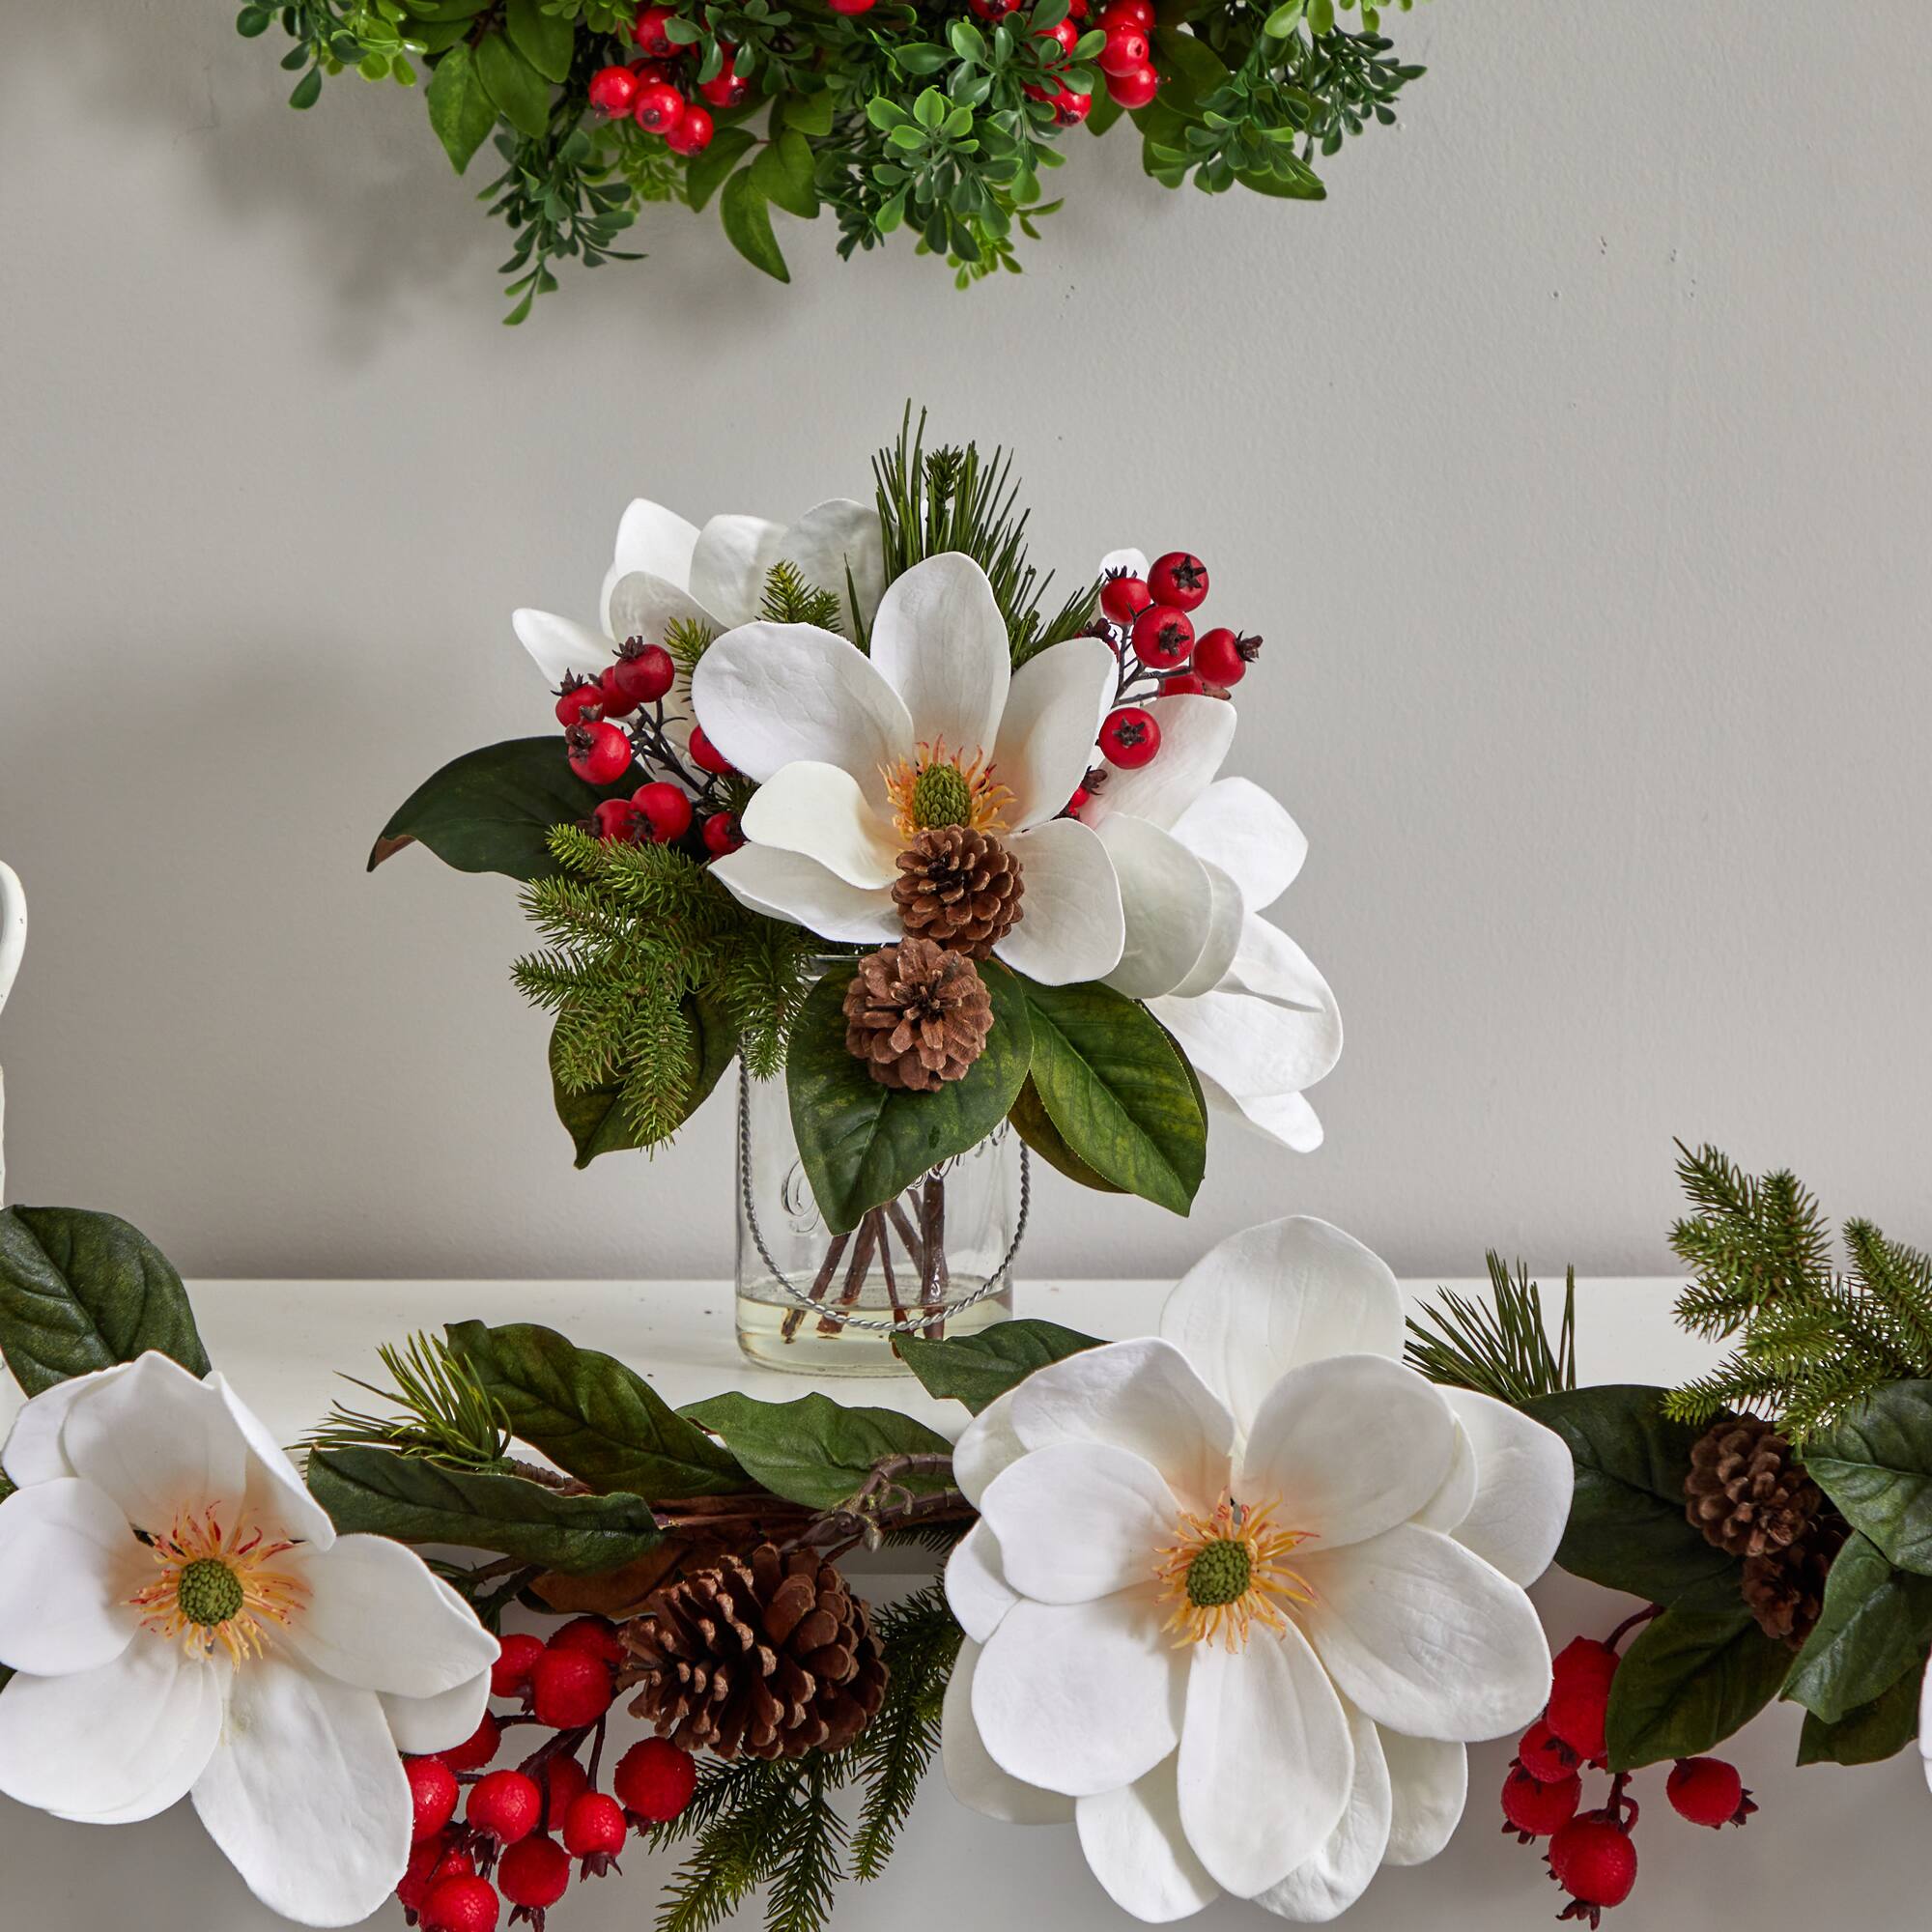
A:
x: 1925, y: 1723
x: 1199, y: 857
x: 667, y: 568
x: 12, y: 943
x: 184, y: 1620
x: 1240, y: 1593
x: 854, y: 753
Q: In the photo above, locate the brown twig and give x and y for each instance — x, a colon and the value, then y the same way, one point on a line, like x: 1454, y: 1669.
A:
x: 535, y: 1472
x: 821, y: 1281
x: 829, y: 1323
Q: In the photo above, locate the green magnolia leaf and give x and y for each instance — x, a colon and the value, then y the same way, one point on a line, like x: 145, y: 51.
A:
x: 1875, y: 1625
x: 707, y: 172
x: 597, y: 1120
x: 517, y: 88
x: 864, y: 1144
x: 1626, y: 1527
x: 809, y: 113
x: 543, y: 40
x: 1875, y: 1462
x: 591, y: 1415
x: 1877, y: 1730
x: 783, y: 175
x: 1692, y: 1676
x: 459, y: 110
x: 748, y: 223
x: 813, y: 1451
x: 974, y: 1368
x: 417, y: 1501
x: 1035, y: 1127
x: 1119, y: 1091
x: 81, y: 1290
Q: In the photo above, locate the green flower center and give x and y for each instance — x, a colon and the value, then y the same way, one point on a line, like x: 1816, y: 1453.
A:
x: 941, y: 796
x: 1218, y: 1574
x: 208, y: 1592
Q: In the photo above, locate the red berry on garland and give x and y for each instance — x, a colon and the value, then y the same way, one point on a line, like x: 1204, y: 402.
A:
x: 1163, y: 637
x: 1130, y: 738
x: 654, y: 1781
x: 1534, y: 1810
x: 594, y: 1829
x: 1183, y: 684
x: 506, y: 1805
x: 577, y: 695
x: 461, y: 1904
x: 706, y: 756
x: 1126, y: 51
x: 724, y: 88
x: 616, y: 703
x: 1134, y: 89
x: 597, y: 1636
x: 1708, y: 1791
x: 1593, y: 1860
x: 1223, y: 656
x: 510, y: 1674
x: 1066, y: 34
x: 659, y: 107
x: 433, y: 1794
x: 851, y: 5
x: 613, y: 90
x: 477, y: 1750
x: 650, y: 31
x: 644, y: 671
x: 1080, y: 797
x: 1135, y: 12
x: 430, y: 1863
x: 694, y: 130
x: 615, y: 820
x: 664, y: 810
x: 533, y: 1876
x: 722, y: 834
x: 600, y: 753
x: 564, y: 1782
x: 569, y: 1688
x: 1125, y: 598
x: 1583, y: 1661
x: 1580, y: 1695
x: 1069, y: 109
x: 995, y: 10
x: 1179, y: 578
x: 1545, y: 1755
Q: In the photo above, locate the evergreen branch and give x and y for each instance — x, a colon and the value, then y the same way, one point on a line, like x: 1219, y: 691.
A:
x: 1503, y: 1349
x: 788, y: 599
x: 921, y: 1643
x: 447, y: 1414
x: 810, y: 1858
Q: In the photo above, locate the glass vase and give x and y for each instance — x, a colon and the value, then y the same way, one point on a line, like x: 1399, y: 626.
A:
x: 935, y: 1261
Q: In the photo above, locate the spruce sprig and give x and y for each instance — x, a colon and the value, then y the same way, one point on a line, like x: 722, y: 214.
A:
x: 920, y: 1641
x: 447, y: 1414
x: 1503, y: 1349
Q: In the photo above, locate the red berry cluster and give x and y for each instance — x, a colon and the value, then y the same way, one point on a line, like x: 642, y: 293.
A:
x: 1591, y: 1855
x: 657, y: 91
x: 526, y: 1830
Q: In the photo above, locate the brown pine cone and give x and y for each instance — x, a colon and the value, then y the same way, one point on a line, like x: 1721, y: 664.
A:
x: 762, y: 1656
x: 917, y: 1015
x: 1785, y: 1588
x: 1745, y: 1490
x: 960, y: 886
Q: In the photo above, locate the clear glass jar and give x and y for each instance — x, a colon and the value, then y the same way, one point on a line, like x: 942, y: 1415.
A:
x: 936, y: 1262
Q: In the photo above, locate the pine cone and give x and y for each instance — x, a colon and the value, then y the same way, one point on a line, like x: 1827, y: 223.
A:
x: 960, y: 886
x: 760, y: 1655
x: 1746, y: 1491
x: 917, y: 1015
x: 1785, y: 1588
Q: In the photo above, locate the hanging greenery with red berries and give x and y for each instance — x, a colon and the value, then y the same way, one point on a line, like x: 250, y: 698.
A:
x: 938, y: 121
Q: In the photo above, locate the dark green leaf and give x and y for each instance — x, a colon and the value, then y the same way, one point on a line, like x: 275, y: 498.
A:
x: 1290, y: 179
x: 417, y: 1501
x: 81, y: 1290
x: 707, y: 172
x: 1880, y: 1729
x: 1875, y: 1624
x: 1032, y: 1123
x: 748, y: 223
x: 809, y: 113
x: 1875, y: 1462
x: 813, y: 1451
x: 783, y: 175
x: 517, y: 88
x: 460, y: 111
x: 543, y: 40
x: 307, y: 90
x: 974, y: 1368
x: 597, y: 1118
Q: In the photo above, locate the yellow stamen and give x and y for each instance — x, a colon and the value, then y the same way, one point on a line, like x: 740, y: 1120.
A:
x: 985, y: 797
x: 217, y: 1587
x: 1225, y: 1573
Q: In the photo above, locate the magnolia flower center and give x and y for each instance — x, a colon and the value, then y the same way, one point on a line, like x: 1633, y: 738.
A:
x: 936, y: 787
x: 1225, y: 1573
x: 217, y: 1586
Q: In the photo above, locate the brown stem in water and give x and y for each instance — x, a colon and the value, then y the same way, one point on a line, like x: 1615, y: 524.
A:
x: 820, y: 1283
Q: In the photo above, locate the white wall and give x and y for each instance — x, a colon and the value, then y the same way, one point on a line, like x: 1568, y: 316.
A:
x: 1574, y: 459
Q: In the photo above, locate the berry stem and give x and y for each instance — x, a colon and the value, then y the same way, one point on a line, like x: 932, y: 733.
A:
x: 1631, y: 1623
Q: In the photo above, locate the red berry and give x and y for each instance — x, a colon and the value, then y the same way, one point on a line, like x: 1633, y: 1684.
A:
x: 1135, y: 12
x: 1584, y: 1660
x: 1134, y: 89
x: 1182, y: 684
x: 506, y: 1804
x: 1179, y: 578
x: 1066, y: 34
x: 578, y: 695
x: 511, y: 1671
x: 1708, y: 1791
x: 1580, y: 1695
x: 477, y: 1750
x: 1545, y: 1755
x: 433, y: 1794
x: 644, y: 671
x: 595, y: 1827
x: 724, y: 88
x: 658, y: 108
x: 570, y: 1688
x: 613, y: 696
x: 1163, y: 637
x: 650, y: 35
x: 430, y: 1862
x: 612, y: 89
x: 597, y: 1636
x: 564, y: 1782
x: 654, y: 1781
x: 722, y: 834
x: 1534, y: 1810
x: 1125, y: 598
x: 461, y: 1904
x: 1131, y: 737
x: 1070, y: 108
x: 1223, y: 656
x: 1593, y: 1860
x: 664, y: 810
x: 1126, y: 51
x: 535, y: 1874
x: 599, y: 753
x: 615, y: 819
x: 694, y: 130
x: 851, y: 5
x: 706, y: 756
x: 1080, y: 797
x: 995, y: 10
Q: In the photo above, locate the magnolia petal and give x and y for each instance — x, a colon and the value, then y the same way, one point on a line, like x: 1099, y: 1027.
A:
x: 1077, y: 1520
x: 734, y: 555
x: 1524, y: 1481
x: 420, y: 1726
x: 786, y: 885
x: 652, y: 541
x: 985, y: 1446
x: 1244, y: 830
x: 1450, y: 1503
x: 837, y: 538
x: 1270, y: 966
x: 971, y: 1774
x: 1080, y: 1697
x: 1070, y: 927
x: 1338, y: 1481
x: 769, y: 693
x: 33, y: 1452
x: 1222, y: 937
x: 941, y: 643
x: 1324, y: 1887
x: 729, y: 564
x: 559, y: 649
x: 1195, y: 734
x: 1167, y: 900
x: 641, y: 604
x: 1266, y: 1760
x: 277, y: 1499
x: 1271, y: 1297
x: 1286, y: 1119
x: 1141, y: 1396
x: 180, y: 1755
x: 306, y: 1796
x: 104, y: 1740
x: 976, y: 1590
x: 1135, y: 1847
x: 68, y: 1565
x: 821, y: 811
x: 1429, y: 1783
x: 1048, y: 729
x: 1425, y: 1636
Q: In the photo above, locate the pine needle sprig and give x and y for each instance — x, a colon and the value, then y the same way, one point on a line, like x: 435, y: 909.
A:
x: 1502, y: 1349
x: 788, y: 599
x: 446, y: 1415
x: 920, y: 1642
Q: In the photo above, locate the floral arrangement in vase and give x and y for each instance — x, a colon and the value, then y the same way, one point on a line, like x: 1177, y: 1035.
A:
x: 854, y: 802
x: 939, y: 121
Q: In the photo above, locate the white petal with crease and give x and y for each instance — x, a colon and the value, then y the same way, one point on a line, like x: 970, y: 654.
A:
x: 420, y: 1726
x: 985, y: 1446
x: 821, y: 811
x: 68, y: 1564
x: 939, y: 641
x: 641, y: 604
x: 1072, y: 927
x: 1429, y: 1783
x: 1050, y: 726
x: 1135, y: 1847
x: 33, y: 1452
x: 559, y: 647
x: 653, y: 540
x: 1167, y: 902
x: 1524, y: 1480
x: 1237, y: 826
x: 976, y: 1590
x: 971, y: 1774
x: 1077, y: 1520
x: 1195, y: 734
x: 1223, y: 935
x: 1324, y: 1887
x: 158, y: 1442
x: 789, y: 885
